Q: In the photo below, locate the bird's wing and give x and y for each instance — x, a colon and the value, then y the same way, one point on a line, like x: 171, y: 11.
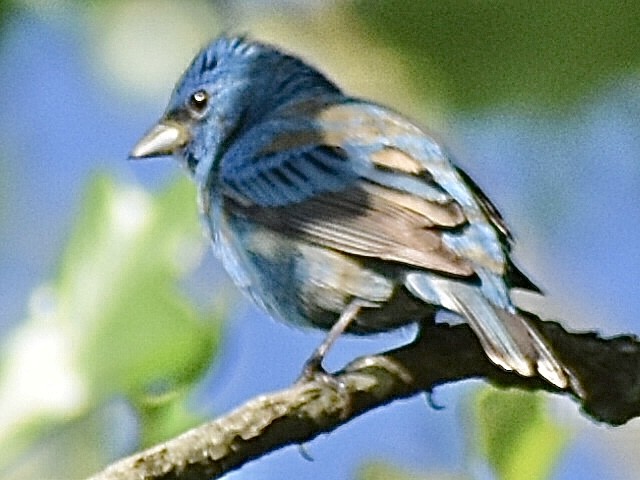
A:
x: 371, y: 221
x: 360, y: 179
x: 284, y: 161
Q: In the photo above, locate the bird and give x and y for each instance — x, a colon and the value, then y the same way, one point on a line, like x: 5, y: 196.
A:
x: 335, y: 212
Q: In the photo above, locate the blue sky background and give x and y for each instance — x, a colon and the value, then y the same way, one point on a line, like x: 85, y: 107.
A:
x: 569, y: 186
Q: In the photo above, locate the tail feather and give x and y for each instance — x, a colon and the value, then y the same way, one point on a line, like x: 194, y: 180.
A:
x: 535, y: 348
x: 507, y: 337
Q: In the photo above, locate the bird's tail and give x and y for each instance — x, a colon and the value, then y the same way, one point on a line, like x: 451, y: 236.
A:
x: 508, y: 337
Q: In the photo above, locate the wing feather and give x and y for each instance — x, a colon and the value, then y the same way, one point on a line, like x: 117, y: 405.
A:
x: 365, y: 182
x: 371, y: 221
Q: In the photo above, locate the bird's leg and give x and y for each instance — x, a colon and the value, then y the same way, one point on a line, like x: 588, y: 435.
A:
x: 313, y: 365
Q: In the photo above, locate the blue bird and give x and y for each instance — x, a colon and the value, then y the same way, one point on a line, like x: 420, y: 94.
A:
x: 334, y: 212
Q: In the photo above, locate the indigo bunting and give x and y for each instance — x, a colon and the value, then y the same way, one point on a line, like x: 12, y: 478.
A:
x: 334, y: 212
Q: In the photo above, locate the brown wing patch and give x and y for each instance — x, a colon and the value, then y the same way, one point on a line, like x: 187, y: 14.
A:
x: 394, y: 159
x: 291, y: 140
x: 371, y: 221
x: 441, y: 215
x: 341, y: 124
x: 361, y: 124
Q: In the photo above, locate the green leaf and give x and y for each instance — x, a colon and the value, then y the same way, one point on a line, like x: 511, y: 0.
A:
x: 547, y: 54
x: 119, y: 281
x: 113, y: 324
x: 161, y: 419
x: 515, y: 434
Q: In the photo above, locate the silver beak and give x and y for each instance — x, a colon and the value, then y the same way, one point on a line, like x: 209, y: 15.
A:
x: 163, y: 139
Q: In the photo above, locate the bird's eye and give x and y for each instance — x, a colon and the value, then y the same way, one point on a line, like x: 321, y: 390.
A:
x: 198, y: 102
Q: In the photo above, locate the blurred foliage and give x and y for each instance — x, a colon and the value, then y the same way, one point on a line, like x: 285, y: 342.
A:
x: 150, y: 65
x: 119, y: 276
x: 333, y: 40
x: 537, y: 53
x: 515, y: 435
x: 6, y: 8
x: 66, y: 449
x: 509, y: 430
x: 149, y: 341
x: 114, y: 324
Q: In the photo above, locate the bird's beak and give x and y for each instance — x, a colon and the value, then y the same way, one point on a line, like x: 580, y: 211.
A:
x: 163, y: 139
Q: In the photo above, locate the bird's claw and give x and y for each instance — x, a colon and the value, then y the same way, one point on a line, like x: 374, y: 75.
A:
x: 313, y: 371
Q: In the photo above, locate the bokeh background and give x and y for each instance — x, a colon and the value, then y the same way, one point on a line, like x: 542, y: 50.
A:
x: 119, y: 329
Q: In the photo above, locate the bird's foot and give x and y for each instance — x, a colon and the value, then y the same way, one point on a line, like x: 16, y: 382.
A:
x: 313, y: 371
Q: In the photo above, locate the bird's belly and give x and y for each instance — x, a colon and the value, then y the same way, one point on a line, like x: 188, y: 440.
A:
x: 310, y: 285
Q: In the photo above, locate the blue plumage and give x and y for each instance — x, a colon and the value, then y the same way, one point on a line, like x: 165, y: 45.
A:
x: 338, y: 213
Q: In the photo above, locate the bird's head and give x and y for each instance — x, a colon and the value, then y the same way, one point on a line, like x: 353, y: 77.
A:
x: 230, y: 86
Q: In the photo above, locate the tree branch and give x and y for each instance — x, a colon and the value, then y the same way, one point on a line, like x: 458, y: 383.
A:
x: 608, y: 370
